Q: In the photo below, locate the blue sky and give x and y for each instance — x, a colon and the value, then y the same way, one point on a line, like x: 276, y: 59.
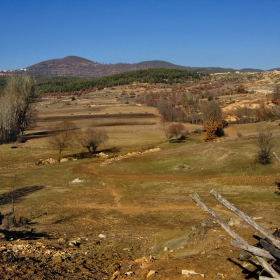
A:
x: 222, y: 33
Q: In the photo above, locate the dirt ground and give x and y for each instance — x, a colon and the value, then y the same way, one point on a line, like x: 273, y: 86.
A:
x: 202, y: 253
x: 121, y: 223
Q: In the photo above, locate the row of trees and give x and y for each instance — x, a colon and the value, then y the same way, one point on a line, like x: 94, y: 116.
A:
x: 17, y: 108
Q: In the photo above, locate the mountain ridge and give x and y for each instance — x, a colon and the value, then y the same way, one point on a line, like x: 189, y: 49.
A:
x: 76, y: 66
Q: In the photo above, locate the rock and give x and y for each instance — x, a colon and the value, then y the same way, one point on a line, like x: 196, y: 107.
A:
x: 127, y: 249
x: 115, y: 275
x: 151, y: 272
x: 3, y: 248
x: 75, y: 242
x: 191, y: 272
x: 2, y: 235
x: 39, y: 244
x: 102, y: 236
x: 233, y: 222
x: 61, y: 240
x: 76, y: 181
x: 129, y: 273
x: 57, y: 258
x: 102, y: 155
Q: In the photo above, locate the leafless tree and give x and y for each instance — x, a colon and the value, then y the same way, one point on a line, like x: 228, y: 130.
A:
x: 64, y: 135
x: 276, y: 95
x: 211, y: 110
x: 164, y: 125
x: 176, y: 130
x: 244, y: 114
x: 92, y: 138
x: 193, y: 113
x: 17, y: 108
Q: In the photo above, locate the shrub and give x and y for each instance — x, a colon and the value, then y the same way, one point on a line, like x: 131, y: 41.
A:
x: 264, y: 144
x: 176, y: 130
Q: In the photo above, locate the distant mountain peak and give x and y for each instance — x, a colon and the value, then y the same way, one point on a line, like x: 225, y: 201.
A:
x: 74, y: 59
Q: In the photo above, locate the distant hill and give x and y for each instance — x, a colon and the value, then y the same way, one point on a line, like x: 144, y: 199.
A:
x: 80, y: 67
x: 250, y: 70
x: 274, y: 69
x: 74, y: 66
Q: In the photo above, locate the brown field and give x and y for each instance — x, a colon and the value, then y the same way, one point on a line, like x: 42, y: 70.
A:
x: 137, y: 197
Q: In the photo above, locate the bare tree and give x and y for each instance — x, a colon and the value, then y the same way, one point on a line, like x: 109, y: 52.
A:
x: 92, y: 138
x: 244, y: 114
x: 193, y: 113
x: 264, y: 144
x: 176, y: 130
x: 17, y: 108
x: 211, y: 110
x: 8, y: 121
x: 164, y: 125
x: 64, y: 136
x: 276, y: 95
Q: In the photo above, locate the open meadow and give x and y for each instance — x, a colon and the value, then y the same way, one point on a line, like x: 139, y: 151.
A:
x: 130, y: 209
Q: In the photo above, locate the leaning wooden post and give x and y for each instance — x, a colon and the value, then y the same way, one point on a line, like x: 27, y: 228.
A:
x: 246, y: 218
x: 263, y: 262
x: 195, y: 197
x: 240, y: 242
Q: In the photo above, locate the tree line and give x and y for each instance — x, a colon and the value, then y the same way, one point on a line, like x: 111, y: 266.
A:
x: 72, y: 84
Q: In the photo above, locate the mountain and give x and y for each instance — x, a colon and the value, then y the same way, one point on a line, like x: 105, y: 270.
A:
x: 80, y: 67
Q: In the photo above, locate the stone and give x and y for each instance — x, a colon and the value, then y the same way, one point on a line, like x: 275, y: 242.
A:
x: 75, y: 242
x: 150, y: 273
x: 102, y: 236
x: 129, y: 273
x: 61, y: 240
x: 191, y: 272
x: 2, y: 235
x: 233, y: 222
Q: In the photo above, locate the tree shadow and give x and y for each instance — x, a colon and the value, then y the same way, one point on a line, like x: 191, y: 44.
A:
x: 33, y: 135
x: 23, y: 234
x: 177, y: 141
x: 111, y: 150
x: 16, y: 195
x: 83, y: 155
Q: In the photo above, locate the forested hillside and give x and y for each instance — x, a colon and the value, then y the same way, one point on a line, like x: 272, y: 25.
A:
x: 71, y: 84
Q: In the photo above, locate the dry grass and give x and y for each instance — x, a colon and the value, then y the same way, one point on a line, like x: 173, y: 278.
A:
x: 141, y: 193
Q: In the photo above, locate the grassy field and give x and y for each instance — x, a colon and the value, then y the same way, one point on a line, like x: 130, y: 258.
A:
x: 140, y: 195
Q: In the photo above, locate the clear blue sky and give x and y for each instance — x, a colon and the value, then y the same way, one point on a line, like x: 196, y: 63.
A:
x: 224, y: 33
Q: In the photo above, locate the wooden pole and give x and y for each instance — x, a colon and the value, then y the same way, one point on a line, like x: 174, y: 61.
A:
x: 239, y: 240
x: 247, y: 219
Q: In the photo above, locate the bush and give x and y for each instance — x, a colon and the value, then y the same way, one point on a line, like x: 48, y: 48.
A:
x: 176, y: 130
x: 264, y: 143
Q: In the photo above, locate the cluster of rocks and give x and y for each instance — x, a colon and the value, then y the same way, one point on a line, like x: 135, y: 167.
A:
x: 119, y: 158
x: 51, y: 160
x: 55, y: 259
